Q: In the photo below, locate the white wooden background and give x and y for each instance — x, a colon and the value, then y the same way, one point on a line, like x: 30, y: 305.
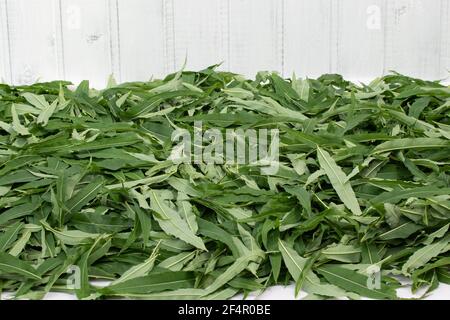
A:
x: 135, y: 39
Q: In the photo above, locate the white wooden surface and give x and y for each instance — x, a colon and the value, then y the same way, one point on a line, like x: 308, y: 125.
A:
x: 307, y: 41
x: 138, y: 39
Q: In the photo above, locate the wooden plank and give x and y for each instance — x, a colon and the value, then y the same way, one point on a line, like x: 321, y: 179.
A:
x: 307, y: 37
x: 255, y: 36
x: 413, y: 38
x: 141, y: 34
x: 32, y: 42
x: 114, y: 38
x: 5, y: 70
x: 360, y: 39
x: 444, y: 62
x: 59, y: 43
x: 169, y: 36
x: 199, y: 32
x: 86, y: 41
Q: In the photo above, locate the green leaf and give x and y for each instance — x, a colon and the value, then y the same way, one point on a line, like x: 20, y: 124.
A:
x: 425, y: 254
x: 338, y: 181
x: 71, y: 237
x: 16, y: 125
x: 139, y: 270
x: 11, y: 264
x: 154, y: 282
x: 36, y: 100
x: 355, y: 282
x: 419, y: 192
x: 10, y: 235
x: 402, y: 231
x: 235, y: 269
x: 170, y: 221
x: 411, y: 143
x: 84, y: 195
x: 18, y: 211
x: 46, y: 113
x: 343, y: 253
x: 311, y: 283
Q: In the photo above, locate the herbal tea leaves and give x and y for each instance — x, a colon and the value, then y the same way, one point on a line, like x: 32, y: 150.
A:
x: 205, y: 184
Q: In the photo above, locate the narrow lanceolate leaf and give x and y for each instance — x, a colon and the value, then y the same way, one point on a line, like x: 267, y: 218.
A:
x: 343, y: 253
x: 221, y: 294
x: 179, y: 294
x: 11, y: 264
x: 46, y: 113
x: 355, y: 282
x: 402, y: 231
x: 10, y: 235
x: 188, y: 215
x: 419, y: 192
x: 139, y: 270
x: 236, y: 268
x: 178, y: 261
x: 20, y: 244
x: 294, y: 262
x: 425, y: 254
x: 170, y: 221
x: 16, y: 124
x: 154, y: 282
x: 338, y: 181
x: 36, y: 100
x: 71, y: 237
x: 310, y: 282
x: 18, y: 211
x: 412, y: 143
x: 83, y: 196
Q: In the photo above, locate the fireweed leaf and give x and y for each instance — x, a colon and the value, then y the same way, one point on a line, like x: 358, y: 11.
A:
x: 172, y: 223
x: 355, y: 282
x: 338, y: 180
x: 11, y: 264
x: 139, y: 270
x: 119, y: 183
x: 311, y: 283
x: 154, y: 282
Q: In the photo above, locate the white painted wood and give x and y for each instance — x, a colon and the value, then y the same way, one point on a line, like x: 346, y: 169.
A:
x: 5, y: 66
x: 141, y: 32
x: 307, y: 37
x: 256, y: 36
x: 413, y: 37
x: 31, y: 39
x: 86, y: 40
x: 200, y: 28
x: 137, y: 39
x: 59, y: 43
x: 114, y: 38
x: 360, y: 38
x: 169, y: 36
x: 444, y: 62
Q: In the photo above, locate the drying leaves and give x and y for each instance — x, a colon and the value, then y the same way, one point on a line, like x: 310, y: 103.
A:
x: 87, y: 183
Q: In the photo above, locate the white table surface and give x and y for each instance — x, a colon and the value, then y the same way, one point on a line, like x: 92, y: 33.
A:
x: 288, y: 293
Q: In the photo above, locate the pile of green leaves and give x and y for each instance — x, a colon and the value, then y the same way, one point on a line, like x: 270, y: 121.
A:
x: 88, y: 190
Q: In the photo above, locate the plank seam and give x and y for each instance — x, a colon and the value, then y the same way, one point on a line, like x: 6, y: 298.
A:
x: 114, y: 38
x: 6, y: 42
x: 169, y: 36
x: 224, y: 13
x: 59, y: 35
x: 334, y: 35
x: 281, y: 15
x: 444, y: 57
